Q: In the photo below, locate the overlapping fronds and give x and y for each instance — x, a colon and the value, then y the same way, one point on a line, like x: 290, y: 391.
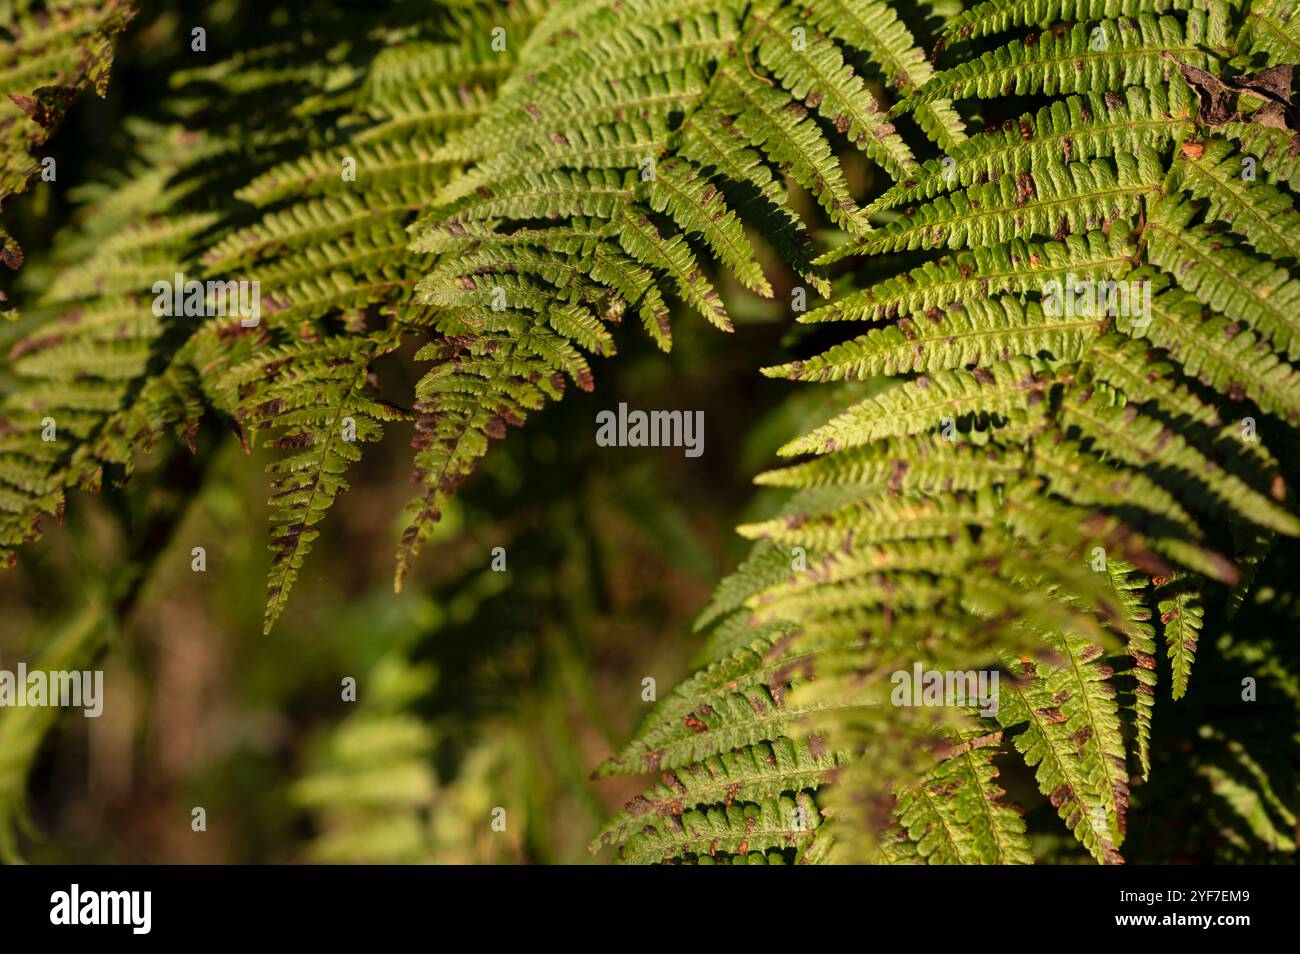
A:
x: 635, y: 144
x: 82, y: 369
x: 601, y: 176
x: 1079, y: 381
x: 172, y: 301
x: 330, y: 249
x: 1065, y: 411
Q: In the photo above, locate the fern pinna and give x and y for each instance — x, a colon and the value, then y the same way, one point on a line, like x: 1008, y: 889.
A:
x: 1016, y: 478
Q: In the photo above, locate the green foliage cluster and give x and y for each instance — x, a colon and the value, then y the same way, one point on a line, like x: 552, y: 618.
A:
x: 1070, y: 495
x: 1048, y: 491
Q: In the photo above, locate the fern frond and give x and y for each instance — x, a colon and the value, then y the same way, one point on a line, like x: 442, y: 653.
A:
x: 1273, y: 148
x: 757, y: 773
x: 1220, y: 353
x: 1015, y: 267
x: 976, y: 332
x: 1221, y: 274
x: 336, y: 181
x: 818, y: 75
x: 926, y: 402
x: 875, y: 27
x: 1143, y: 441
x: 667, y: 134
x: 685, y: 194
x: 1070, y: 130
x: 1271, y: 28
x: 927, y: 463
x: 1131, y: 590
x: 318, y: 405
x: 726, y: 832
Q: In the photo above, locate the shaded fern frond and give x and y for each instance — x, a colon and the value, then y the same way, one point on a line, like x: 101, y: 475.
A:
x: 318, y: 403
x: 49, y: 53
x: 325, y: 193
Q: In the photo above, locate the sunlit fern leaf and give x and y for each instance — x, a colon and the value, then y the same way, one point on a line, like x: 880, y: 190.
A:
x: 725, y: 706
x: 1273, y: 148
x: 982, y: 436
x: 1068, y: 130
x: 875, y: 27
x: 876, y: 518
x: 1265, y: 216
x: 1015, y: 267
x: 1137, y: 684
x: 756, y: 773
x: 927, y: 463
x: 996, y: 16
x: 973, y: 333
x: 1099, y: 422
x: 954, y: 814
x: 1153, y: 386
x: 725, y: 833
x: 1221, y: 354
x: 683, y: 192
x: 1263, y: 295
x: 787, y: 136
x: 1053, y: 201
x: 765, y: 566
x: 1070, y: 735
x: 818, y: 75
x: 1272, y: 27
x: 711, y: 140
x: 924, y: 403
x: 1109, y: 55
